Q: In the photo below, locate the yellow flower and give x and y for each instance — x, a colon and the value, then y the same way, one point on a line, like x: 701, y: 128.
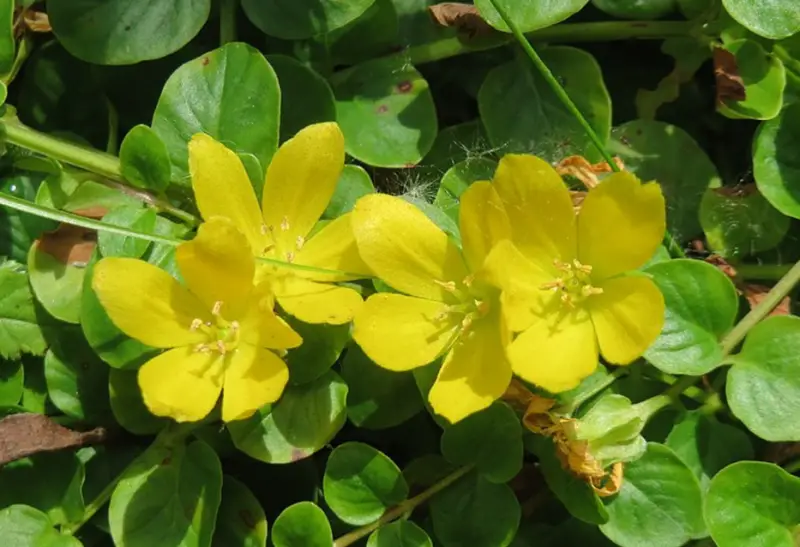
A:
x: 300, y: 181
x: 219, y: 327
x: 448, y: 308
x: 567, y: 285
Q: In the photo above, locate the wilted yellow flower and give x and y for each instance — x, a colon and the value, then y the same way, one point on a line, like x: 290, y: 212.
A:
x: 300, y: 181
x: 567, y: 281
x: 448, y: 310
x: 220, y: 327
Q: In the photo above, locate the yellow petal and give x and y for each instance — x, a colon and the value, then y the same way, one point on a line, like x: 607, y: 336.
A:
x: 260, y: 326
x: 475, y: 372
x: 405, y: 249
x: 620, y: 225
x: 181, y: 384
x: 300, y: 182
x: 556, y: 353
x: 334, y: 248
x: 254, y: 377
x: 316, y: 303
x: 148, y: 304
x: 401, y: 332
x: 222, y: 188
x: 538, y: 206
x: 628, y: 317
x: 218, y: 266
x: 483, y: 221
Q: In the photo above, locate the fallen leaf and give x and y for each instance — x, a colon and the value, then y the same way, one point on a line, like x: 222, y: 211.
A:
x: 23, y: 435
x: 730, y: 86
x: 755, y: 294
x: 37, y: 21
x: 72, y: 245
x: 465, y: 18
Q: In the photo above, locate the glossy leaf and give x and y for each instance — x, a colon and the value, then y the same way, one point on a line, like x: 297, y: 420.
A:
x: 625, y: 9
x: 302, y: 524
x: 12, y: 377
x: 321, y: 347
x: 141, y: 219
x: 128, y: 406
x: 769, y: 18
x: 24, y: 526
x: 22, y: 327
x: 241, y: 520
x: 775, y: 161
x: 354, y: 183
x: 401, y: 533
x: 144, y: 159
x: 764, y: 80
x: 529, y: 16
x: 296, y: 19
x: 457, y: 179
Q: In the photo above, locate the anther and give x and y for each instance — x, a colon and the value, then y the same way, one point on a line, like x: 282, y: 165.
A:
x: 263, y: 229
x: 566, y: 299
x: 202, y: 348
x: 584, y: 268
x: 196, y: 324
x: 221, y: 347
x: 299, y: 242
x: 289, y: 256
x: 217, y: 307
x: 449, y: 286
x: 588, y: 290
x: 563, y: 266
x: 554, y: 285
x: 284, y: 224
x: 235, y: 326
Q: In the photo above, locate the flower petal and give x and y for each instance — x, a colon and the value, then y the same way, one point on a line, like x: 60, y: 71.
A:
x: 260, y: 326
x: 620, y: 225
x: 316, y: 303
x: 222, y: 188
x: 147, y: 303
x: 557, y: 353
x: 401, y: 332
x: 300, y: 182
x: 254, y: 377
x: 628, y: 317
x: 333, y: 247
x: 539, y: 207
x: 218, y: 266
x: 405, y: 249
x: 483, y: 222
x: 181, y: 384
x: 475, y: 372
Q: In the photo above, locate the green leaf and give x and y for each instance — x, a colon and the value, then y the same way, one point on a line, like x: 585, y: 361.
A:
x: 774, y: 19
x: 12, y: 379
x: 529, y: 16
x: 637, y: 9
x: 77, y: 380
x: 372, y: 35
x: 361, y: 483
x: 475, y: 512
x: 753, y: 504
x: 128, y: 406
x: 437, y: 216
x: 141, y: 219
x: 241, y: 520
x: 707, y: 445
x: 659, y: 504
x: 19, y: 230
x: 386, y: 112
x: 120, y: 32
x: 93, y: 195
x: 764, y: 80
x: 8, y: 44
x: 763, y: 388
x: 50, y: 481
x: 23, y: 526
x: 378, y: 398
x: 297, y: 19
x: 144, y: 159
x: 521, y: 112
x: 776, y: 158
x: 659, y: 151
x: 741, y: 223
x: 322, y: 345
x: 353, y: 184
x: 232, y: 94
x: 304, y: 420
x: 57, y: 284
x: 457, y: 179
x: 490, y: 439
x: 169, y: 496
x: 22, y: 326
x: 401, y: 533
x: 701, y: 306
x: 34, y: 390
x: 453, y: 145
x: 302, y: 524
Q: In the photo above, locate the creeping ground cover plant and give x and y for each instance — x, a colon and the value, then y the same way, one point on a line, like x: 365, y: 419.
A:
x: 399, y: 273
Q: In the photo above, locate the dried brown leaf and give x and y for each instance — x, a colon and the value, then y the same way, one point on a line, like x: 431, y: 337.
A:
x: 465, y: 18
x: 23, y: 435
x: 730, y: 86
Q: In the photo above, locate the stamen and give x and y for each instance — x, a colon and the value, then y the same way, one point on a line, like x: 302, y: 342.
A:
x: 449, y: 286
x: 202, y: 348
x: 217, y: 307
x: 284, y: 224
x: 221, y: 347
x: 583, y: 268
x: 566, y: 299
x: 588, y: 290
x: 555, y: 285
x: 235, y: 326
x: 196, y: 324
x: 299, y: 242
x: 263, y: 229
x: 563, y: 266
x: 467, y: 281
x: 289, y: 256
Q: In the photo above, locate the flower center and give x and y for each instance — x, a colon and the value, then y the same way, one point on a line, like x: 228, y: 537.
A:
x: 471, y: 307
x: 222, y: 335
x: 574, y: 285
x: 274, y: 248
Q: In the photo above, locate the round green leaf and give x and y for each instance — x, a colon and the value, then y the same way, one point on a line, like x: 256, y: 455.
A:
x: 378, y: 398
x: 457, y: 179
x: 764, y: 78
x: 522, y: 114
x: 321, y: 347
x: 168, y: 496
x: 636, y: 9
x: 353, y: 184
x: 128, y: 406
x: 8, y: 43
x: 144, y: 159
x: 361, y: 483
x: 529, y: 15
x: 701, y: 306
x: 659, y: 504
x: 401, y: 533
x: 232, y: 94
x: 372, y: 35
x: 490, y: 439
x: 12, y: 377
x: 753, y: 504
x: 297, y: 19
x: 135, y: 217
x: 666, y: 153
x: 774, y: 19
x: 23, y: 526
x: 386, y: 112
x: 475, y: 512
x: 241, y: 520
x: 122, y: 32
x: 305, y: 419
x: 302, y: 524
x: 57, y: 284
x: 776, y: 158
x: 19, y: 230
x: 763, y: 387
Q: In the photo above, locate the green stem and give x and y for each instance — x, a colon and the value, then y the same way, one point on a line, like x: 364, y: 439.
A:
x: 401, y: 509
x: 769, y: 272
x: 647, y: 408
x: 692, y: 392
x: 227, y: 21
